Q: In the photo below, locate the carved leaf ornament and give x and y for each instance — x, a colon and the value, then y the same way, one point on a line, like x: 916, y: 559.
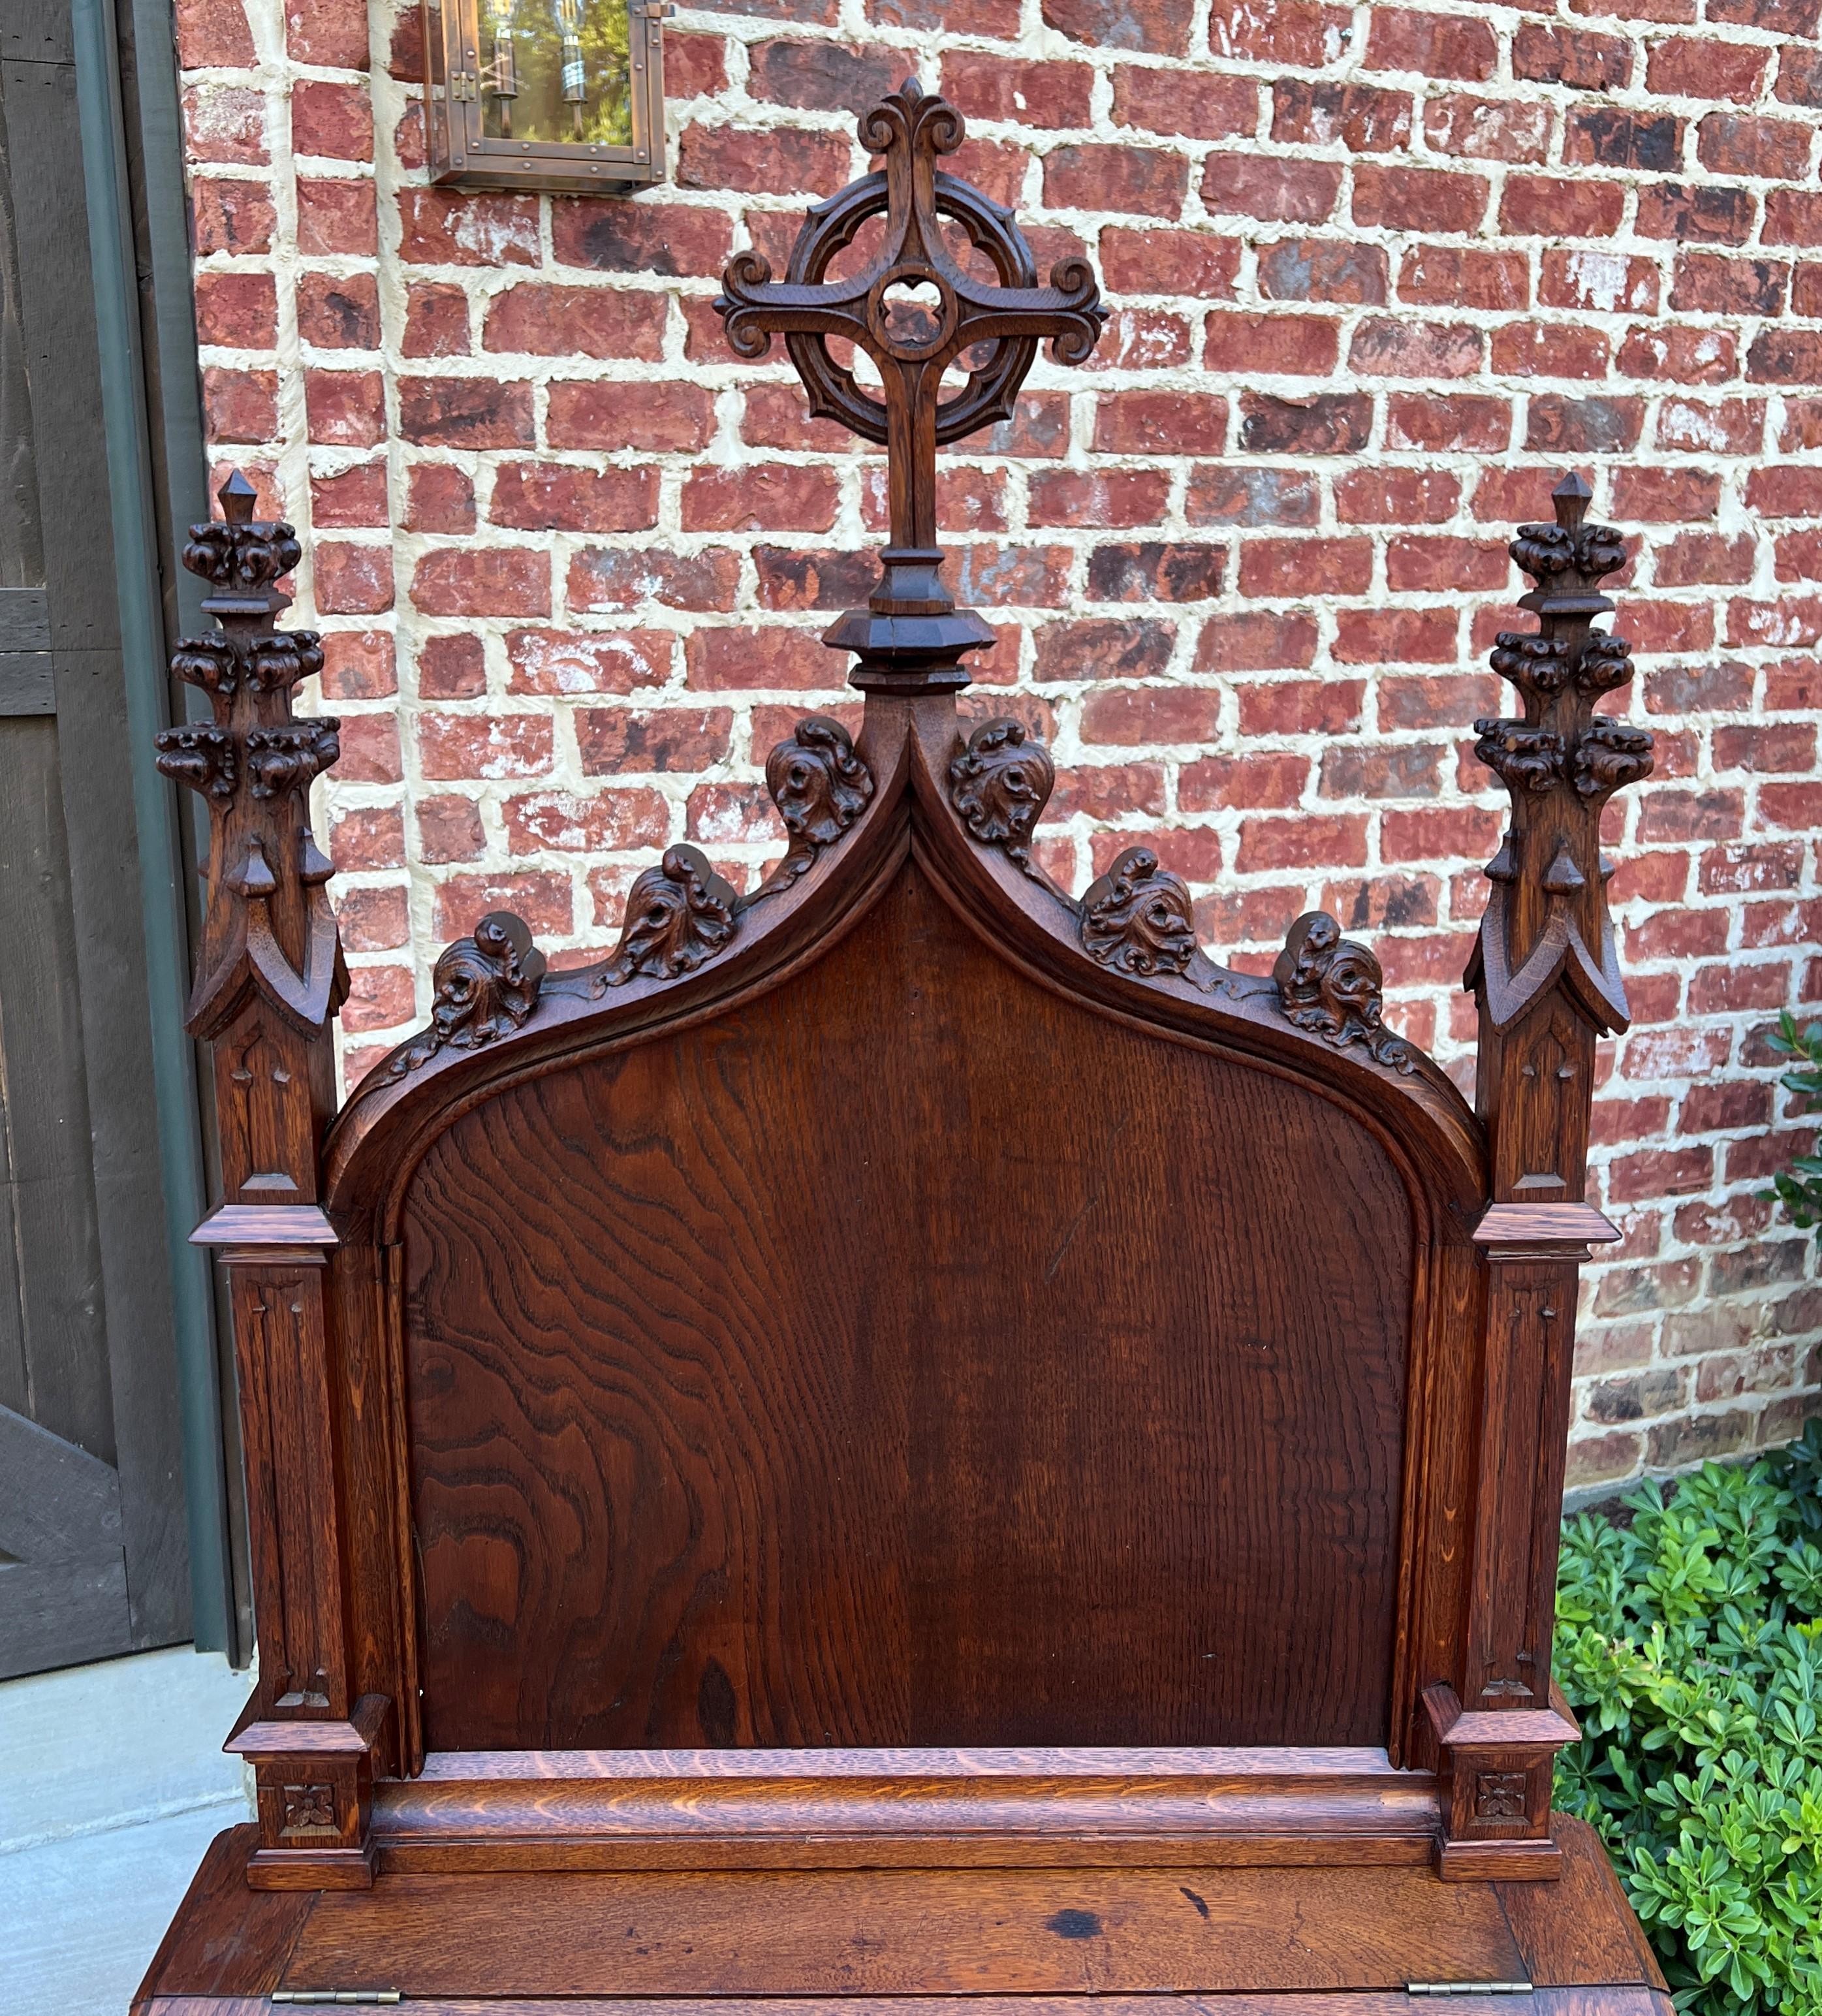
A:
x: 678, y: 915
x: 820, y: 787
x: 485, y: 987
x: 1138, y: 918
x: 999, y: 783
x: 1333, y: 985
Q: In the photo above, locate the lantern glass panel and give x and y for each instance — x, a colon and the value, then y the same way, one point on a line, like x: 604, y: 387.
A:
x: 556, y: 71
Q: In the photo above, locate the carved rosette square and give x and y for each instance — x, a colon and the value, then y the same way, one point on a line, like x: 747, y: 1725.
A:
x: 308, y: 1809
x: 1499, y: 1795
x: 308, y: 1804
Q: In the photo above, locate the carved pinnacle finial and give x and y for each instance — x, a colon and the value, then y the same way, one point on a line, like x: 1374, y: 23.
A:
x: 1548, y: 917
x: 238, y: 498
x: 268, y: 931
x: 915, y: 310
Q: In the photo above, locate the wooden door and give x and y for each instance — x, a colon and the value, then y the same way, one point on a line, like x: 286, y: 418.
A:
x: 93, y: 1559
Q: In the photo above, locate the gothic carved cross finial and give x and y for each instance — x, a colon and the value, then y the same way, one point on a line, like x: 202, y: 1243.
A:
x: 916, y: 309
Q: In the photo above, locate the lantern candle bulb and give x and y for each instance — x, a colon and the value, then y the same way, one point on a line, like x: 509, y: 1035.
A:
x: 503, y: 75
x: 575, y: 88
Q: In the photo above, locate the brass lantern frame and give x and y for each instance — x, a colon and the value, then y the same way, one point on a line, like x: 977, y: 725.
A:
x: 463, y: 156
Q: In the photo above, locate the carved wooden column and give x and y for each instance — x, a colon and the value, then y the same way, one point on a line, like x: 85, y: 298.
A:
x: 269, y: 978
x: 1546, y: 982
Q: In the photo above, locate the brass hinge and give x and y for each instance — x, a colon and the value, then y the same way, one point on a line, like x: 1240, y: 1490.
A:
x: 343, y: 1996
x: 462, y: 88
x: 1468, y: 1988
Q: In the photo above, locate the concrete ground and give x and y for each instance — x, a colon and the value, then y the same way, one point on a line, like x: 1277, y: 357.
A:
x: 112, y: 1783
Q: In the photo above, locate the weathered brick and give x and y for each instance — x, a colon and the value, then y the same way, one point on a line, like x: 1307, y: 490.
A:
x: 1419, y: 199
x: 1022, y: 92
x: 1160, y: 100
x: 439, y: 498
x: 213, y: 34
x: 233, y: 216
x: 501, y: 581
x: 620, y: 578
x: 762, y: 162
x: 345, y: 409
x: 1549, y: 53
x: 759, y: 497
x: 333, y: 120
x: 1295, y: 345
x: 436, y: 321
x: 1194, y: 263
x: 1106, y: 649
x: 447, y: 227
x: 681, y: 740
x: 487, y: 748
x: 1253, y: 185
x: 336, y: 219
x: 350, y: 497
x: 1363, y: 118
x: 1300, y: 34
x: 1144, y: 181
x: 1155, y: 571
x: 1434, y: 45
x: 1324, y: 424
x: 612, y: 236
x: 465, y: 412
x: 1318, y: 269
x: 1156, y: 27
x: 1735, y: 143
x: 541, y: 896
x: 338, y: 312
x: 452, y: 668
x: 1229, y: 494
x: 1159, y: 423
x: 544, y: 496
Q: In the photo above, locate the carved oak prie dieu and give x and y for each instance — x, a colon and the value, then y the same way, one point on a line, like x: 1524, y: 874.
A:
x: 908, y: 1366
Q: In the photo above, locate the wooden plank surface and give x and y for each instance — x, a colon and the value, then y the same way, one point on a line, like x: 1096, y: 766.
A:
x: 1274, y: 1943
x: 112, y: 1017
x: 25, y: 620
x: 1094, y: 1931
x: 1580, y: 1928
x: 53, y: 1332
x: 27, y: 683
x: 226, y: 1940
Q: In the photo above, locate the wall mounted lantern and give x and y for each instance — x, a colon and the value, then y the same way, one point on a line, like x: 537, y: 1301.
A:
x: 545, y: 94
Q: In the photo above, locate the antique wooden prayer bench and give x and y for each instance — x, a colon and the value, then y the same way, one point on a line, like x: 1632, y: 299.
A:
x: 905, y: 1435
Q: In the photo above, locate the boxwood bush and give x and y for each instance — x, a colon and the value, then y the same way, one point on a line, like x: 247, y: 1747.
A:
x: 1689, y: 1642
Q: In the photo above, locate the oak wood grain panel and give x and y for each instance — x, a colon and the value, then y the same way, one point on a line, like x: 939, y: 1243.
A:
x: 850, y: 1809
x: 1581, y: 1928
x: 780, y: 1383
x: 908, y: 1932
x: 226, y: 1940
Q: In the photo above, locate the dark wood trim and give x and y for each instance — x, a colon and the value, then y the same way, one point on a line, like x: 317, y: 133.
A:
x: 1544, y: 1225
x: 758, y: 1809
x: 257, y: 1225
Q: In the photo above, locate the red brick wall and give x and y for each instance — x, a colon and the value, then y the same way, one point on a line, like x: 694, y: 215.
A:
x: 1377, y: 274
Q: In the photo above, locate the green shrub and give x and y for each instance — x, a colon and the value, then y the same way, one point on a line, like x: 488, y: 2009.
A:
x: 1798, y: 1189
x: 1689, y: 1643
